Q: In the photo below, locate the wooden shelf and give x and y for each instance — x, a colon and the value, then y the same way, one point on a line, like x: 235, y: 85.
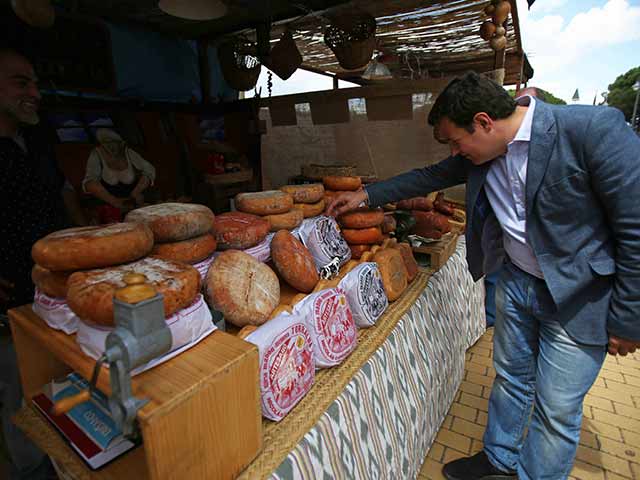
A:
x: 203, y: 419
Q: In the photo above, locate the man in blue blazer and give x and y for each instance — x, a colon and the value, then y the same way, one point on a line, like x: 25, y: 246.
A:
x: 551, y: 194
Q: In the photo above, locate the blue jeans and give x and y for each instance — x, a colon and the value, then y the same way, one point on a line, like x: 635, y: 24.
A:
x: 539, y: 368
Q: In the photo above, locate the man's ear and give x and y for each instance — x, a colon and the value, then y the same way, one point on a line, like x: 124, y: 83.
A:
x: 484, y: 121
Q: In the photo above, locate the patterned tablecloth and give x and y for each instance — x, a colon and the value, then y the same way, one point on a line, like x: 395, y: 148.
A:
x: 386, y: 419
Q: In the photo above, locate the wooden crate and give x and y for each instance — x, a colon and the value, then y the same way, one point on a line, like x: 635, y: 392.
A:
x: 440, y: 251
x: 203, y: 419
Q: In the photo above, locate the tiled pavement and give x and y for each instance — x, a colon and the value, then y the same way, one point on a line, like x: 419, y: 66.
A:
x: 610, y: 443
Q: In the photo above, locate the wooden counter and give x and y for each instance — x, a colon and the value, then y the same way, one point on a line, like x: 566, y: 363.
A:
x: 203, y: 419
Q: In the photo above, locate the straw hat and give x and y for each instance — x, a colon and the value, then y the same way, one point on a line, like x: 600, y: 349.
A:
x: 105, y: 135
x: 37, y: 13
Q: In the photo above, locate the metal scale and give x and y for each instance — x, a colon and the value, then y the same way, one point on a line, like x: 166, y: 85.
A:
x: 141, y: 334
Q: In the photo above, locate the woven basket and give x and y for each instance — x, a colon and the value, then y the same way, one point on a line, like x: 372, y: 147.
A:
x: 352, y: 38
x: 240, y: 68
x: 316, y: 172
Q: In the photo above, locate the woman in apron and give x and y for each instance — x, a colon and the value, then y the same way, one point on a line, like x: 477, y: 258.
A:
x: 116, y: 176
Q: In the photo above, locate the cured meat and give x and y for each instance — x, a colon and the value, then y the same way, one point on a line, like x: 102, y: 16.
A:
x: 52, y: 284
x: 389, y: 224
x: 341, y: 183
x: 442, y: 206
x: 245, y: 290
x: 362, y: 218
x: 90, y: 293
x: 270, y: 202
x: 287, y: 363
x: 428, y: 221
x: 310, y: 210
x: 362, y: 235
x: 409, y: 260
x: 416, y: 203
x: 237, y: 230
x: 311, y: 193
x: 393, y: 272
x: 294, y: 262
x: 365, y: 293
x: 190, y: 251
x: 173, y: 222
x: 330, y: 321
x: 92, y: 247
x: 286, y: 221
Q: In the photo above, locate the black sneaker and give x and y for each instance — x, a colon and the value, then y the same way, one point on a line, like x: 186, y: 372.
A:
x: 477, y: 467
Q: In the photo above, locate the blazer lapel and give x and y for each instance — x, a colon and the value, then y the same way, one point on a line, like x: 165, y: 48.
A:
x: 543, y: 137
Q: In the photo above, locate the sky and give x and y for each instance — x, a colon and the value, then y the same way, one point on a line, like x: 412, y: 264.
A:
x: 571, y: 44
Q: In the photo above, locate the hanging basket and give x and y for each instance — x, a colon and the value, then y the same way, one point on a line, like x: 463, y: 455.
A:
x: 285, y: 58
x: 240, y: 68
x: 352, y: 38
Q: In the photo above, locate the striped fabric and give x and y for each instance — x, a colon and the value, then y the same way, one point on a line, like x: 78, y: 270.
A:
x: 386, y: 419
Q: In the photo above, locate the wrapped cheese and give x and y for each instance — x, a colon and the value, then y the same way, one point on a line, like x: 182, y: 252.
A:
x: 55, y: 312
x: 365, y: 293
x: 287, y: 364
x: 322, y: 237
x: 333, y: 330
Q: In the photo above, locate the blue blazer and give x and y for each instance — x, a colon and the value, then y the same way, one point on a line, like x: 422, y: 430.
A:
x: 583, y: 218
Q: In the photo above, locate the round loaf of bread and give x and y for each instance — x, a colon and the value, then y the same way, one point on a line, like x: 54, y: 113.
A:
x: 245, y: 290
x: 310, y: 209
x: 392, y: 271
x: 341, y: 183
x: 190, y: 251
x: 359, y: 236
x: 90, y: 293
x: 82, y: 248
x: 294, y: 262
x: 311, y: 193
x: 362, y: 218
x: 173, y: 222
x: 409, y: 260
x: 239, y: 231
x: 53, y: 284
x: 285, y: 221
x: 270, y: 202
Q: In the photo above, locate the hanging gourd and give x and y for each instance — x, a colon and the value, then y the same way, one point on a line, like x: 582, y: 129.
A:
x: 487, y: 30
x: 501, y: 12
x: 493, y: 30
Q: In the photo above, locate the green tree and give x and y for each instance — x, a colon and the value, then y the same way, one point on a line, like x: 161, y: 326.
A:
x: 621, y: 93
x: 544, y: 96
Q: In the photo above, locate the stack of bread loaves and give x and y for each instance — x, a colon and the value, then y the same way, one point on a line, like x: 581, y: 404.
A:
x: 308, y: 199
x: 334, y: 185
x: 275, y: 206
x: 182, y: 232
x: 361, y: 229
x: 58, y: 255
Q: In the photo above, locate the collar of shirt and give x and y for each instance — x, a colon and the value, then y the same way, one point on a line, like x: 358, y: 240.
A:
x: 524, y: 132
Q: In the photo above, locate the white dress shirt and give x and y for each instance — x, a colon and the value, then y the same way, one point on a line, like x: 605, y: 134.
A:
x: 505, y: 187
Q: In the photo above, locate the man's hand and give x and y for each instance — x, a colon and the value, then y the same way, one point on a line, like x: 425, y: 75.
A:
x: 345, y: 202
x: 621, y: 346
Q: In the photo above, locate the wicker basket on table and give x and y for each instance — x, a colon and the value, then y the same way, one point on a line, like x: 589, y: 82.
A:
x: 240, y: 67
x: 352, y: 38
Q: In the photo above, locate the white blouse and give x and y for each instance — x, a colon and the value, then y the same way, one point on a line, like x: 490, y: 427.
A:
x: 98, y: 169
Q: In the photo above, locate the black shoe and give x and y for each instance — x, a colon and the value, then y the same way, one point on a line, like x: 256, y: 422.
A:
x: 477, y: 467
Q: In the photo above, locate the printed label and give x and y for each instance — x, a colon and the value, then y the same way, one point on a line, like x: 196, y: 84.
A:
x: 333, y: 324
x: 371, y: 295
x: 330, y: 239
x: 287, y: 370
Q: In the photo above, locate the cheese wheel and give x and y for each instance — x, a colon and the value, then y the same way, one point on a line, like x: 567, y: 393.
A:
x: 53, y: 284
x: 341, y: 183
x: 361, y: 218
x: 409, y: 260
x: 90, y: 293
x: 237, y: 230
x: 190, y: 251
x: 311, y: 193
x: 389, y: 224
x: 245, y: 290
x: 270, y: 202
x: 358, y: 250
x: 92, y: 247
x: 310, y: 209
x: 358, y: 236
x: 393, y: 272
x: 285, y: 221
x: 294, y: 262
x: 173, y: 222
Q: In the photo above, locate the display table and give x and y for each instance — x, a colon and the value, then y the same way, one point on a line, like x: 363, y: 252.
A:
x: 374, y: 416
x: 377, y: 414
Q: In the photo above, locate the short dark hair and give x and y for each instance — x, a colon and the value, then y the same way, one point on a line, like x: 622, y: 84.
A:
x: 468, y: 95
